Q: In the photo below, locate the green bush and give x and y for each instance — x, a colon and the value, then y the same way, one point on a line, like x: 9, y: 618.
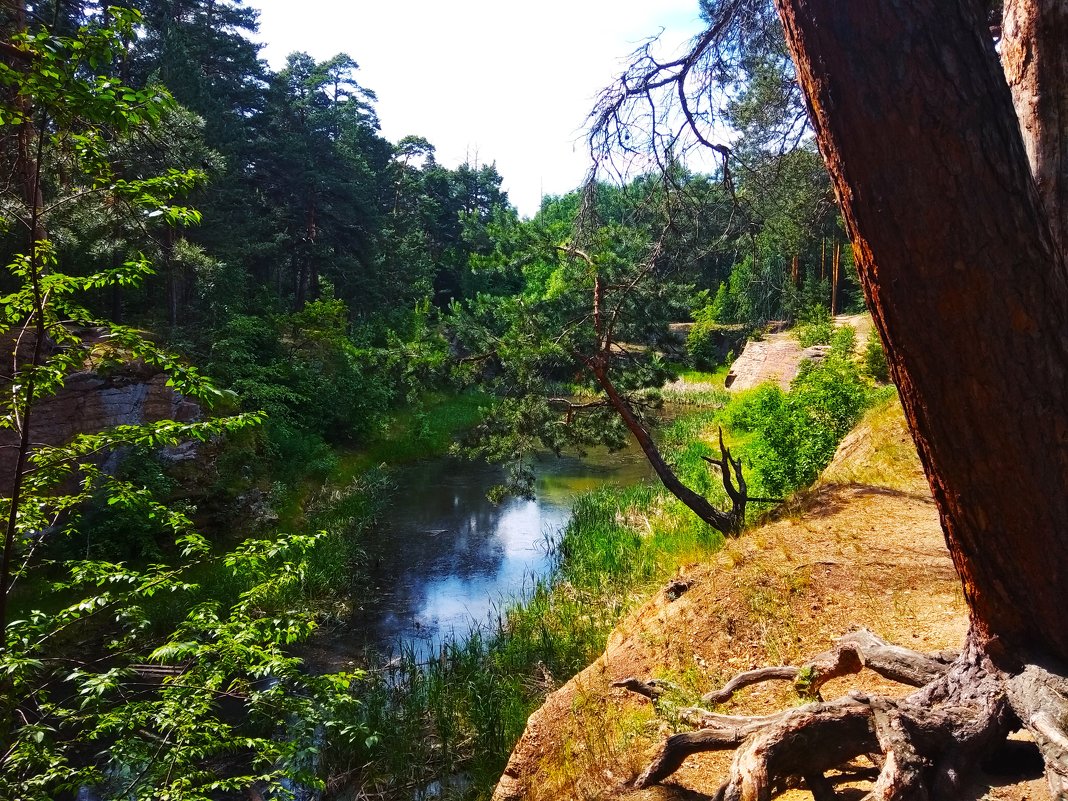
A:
x: 794, y: 434
x: 748, y: 411
x: 316, y: 386
x: 844, y: 341
x: 723, y: 305
x: 874, y: 360
x: 702, y: 345
x: 815, y: 327
x: 712, y: 338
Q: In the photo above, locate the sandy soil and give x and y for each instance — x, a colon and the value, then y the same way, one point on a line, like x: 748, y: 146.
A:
x: 863, y: 548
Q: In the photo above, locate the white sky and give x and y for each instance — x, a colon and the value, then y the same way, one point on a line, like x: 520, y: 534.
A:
x: 509, y: 81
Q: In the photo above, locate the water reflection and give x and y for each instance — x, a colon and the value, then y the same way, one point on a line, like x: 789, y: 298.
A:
x: 447, y: 556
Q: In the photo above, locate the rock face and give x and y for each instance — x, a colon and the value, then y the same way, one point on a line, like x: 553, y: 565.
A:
x: 778, y: 356
x: 91, y: 402
x: 776, y: 359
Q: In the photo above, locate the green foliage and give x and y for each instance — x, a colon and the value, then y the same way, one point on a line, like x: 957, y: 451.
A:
x: 170, y: 738
x: 702, y: 345
x: 723, y: 305
x: 709, y: 342
x: 316, y: 387
x: 874, y: 360
x: 843, y: 341
x: 99, y: 690
x: 116, y: 532
x: 815, y: 326
x: 794, y: 434
x: 536, y: 340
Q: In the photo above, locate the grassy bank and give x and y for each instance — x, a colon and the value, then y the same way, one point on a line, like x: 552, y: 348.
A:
x: 456, y: 719
x: 459, y: 716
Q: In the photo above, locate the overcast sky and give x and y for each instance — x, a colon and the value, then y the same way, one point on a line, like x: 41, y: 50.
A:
x: 506, y: 81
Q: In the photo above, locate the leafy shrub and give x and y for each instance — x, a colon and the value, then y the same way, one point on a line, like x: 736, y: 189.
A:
x: 316, y: 386
x: 702, y: 345
x: 712, y: 338
x: 748, y: 411
x: 874, y: 360
x: 723, y: 305
x: 795, y: 433
x: 815, y: 327
x: 844, y: 341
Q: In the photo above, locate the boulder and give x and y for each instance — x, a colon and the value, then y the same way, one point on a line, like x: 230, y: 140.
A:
x: 775, y: 359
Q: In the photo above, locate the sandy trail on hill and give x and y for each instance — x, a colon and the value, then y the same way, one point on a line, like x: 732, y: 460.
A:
x: 863, y: 548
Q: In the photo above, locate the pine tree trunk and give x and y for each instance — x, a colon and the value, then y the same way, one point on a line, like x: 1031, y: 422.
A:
x: 968, y: 291
x: 836, y: 277
x: 1034, y: 53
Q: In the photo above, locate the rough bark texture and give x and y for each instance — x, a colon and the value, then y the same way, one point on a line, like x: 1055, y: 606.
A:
x: 1034, y: 53
x: 916, y: 123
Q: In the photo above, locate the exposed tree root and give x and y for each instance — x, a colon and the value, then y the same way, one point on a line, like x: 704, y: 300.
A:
x: 1039, y: 697
x: 854, y: 651
x: 651, y: 689
x: 924, y: 745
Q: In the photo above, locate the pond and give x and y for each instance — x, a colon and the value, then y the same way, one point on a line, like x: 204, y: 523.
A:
x: 446, y: 558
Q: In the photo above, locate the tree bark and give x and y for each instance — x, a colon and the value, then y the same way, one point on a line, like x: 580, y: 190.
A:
x: 967, y: 288
x: 1035, y: 58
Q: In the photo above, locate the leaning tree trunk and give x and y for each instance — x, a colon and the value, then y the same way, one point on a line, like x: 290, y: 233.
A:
x: 969, y: 294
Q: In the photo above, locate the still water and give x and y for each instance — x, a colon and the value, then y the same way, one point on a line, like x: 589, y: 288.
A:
x: 446, y: 557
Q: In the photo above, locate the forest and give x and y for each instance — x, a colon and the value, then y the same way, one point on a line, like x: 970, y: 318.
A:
x: 237, y: 320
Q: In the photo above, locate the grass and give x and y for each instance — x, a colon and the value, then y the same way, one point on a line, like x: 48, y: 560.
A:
x: 691, y: 375
x: 462, y: 713
x: 886, y: 461
x: 697, y: 387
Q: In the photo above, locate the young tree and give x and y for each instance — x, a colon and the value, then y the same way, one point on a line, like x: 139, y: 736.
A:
x: 573, y: 331
x: 969, y: 292
x: 112, y: 671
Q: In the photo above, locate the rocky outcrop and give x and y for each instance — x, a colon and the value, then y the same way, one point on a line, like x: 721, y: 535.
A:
x: 775, y: 360
x: 93, y: 401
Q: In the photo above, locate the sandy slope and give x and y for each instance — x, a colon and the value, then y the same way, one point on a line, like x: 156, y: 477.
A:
x: 863, y: 548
